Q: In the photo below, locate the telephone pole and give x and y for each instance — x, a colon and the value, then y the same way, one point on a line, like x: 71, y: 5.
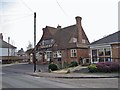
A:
x: 8, y: 48
x: 34, y: 52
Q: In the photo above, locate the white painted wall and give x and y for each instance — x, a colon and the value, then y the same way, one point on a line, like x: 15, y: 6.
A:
x: 4, y: 52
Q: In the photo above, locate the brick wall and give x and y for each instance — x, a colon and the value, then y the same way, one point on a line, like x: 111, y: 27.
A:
x: 84, y: 53
x: 116, y: 52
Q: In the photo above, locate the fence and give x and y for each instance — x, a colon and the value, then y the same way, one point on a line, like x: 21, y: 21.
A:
x: 13, y: 59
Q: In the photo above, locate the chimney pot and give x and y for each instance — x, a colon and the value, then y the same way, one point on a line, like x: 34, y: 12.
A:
x: 1, y: 36
x: 79, y: 28
x: 78, y: 20
x: 58, y: 27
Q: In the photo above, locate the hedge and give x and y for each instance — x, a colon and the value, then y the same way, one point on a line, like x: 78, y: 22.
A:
x: 104, y: 67
x: 73, y: 64
x: 53, y: 67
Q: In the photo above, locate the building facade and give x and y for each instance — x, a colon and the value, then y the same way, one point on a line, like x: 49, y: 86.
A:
x: 7, y: 51
x: 6, y: 48
x: 62, y: 45
x: 106, y: 49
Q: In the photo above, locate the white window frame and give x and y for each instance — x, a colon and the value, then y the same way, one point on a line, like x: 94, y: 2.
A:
x: 73, y: 52
x: 55, y: 54
x: 83, y: 41
x: 59, y: 54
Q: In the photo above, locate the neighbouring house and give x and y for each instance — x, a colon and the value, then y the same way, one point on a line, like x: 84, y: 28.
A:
x: 29, y: 55
x: 6, y: 49
x: 21, y: 52
x: 106, y: 49
x: 61, y: 45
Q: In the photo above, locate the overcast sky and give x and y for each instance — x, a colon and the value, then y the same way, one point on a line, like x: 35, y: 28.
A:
x: 99, y: 18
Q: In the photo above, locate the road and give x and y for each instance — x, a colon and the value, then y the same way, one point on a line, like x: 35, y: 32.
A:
x: 14, y: 77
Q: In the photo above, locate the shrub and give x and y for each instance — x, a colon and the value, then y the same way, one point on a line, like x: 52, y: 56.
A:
x: 107, y: 67
x: 53, y: 67
x: 73, y: 64
x: 66, y: 65
x: 115, y: 67
x: 92, y: 68
x: 104, y: 67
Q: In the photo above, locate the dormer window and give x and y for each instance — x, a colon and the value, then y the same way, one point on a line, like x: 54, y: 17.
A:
x: 83, y: 41
x: 73, y: 40
x: 52, y: 41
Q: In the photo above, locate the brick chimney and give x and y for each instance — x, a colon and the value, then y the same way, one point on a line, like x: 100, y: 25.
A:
x: 58, y: 27
x: 79, y: 28
x: 1, y: 36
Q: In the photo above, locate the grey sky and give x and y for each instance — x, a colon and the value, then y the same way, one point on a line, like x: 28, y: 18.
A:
x: 99, y: 17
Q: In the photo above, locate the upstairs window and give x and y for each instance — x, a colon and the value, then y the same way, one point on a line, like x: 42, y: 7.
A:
x: 73, y: 40
x: 83, y: 41
x: 52, y: 41
x: 47, y: 42
x: 73, y: 53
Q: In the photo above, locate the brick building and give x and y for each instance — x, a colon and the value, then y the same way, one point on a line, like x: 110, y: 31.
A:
x: 62, y: 45
x: 106, y: 49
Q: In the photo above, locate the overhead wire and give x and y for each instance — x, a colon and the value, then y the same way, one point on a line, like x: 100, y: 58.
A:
x: 26, y: 5
x: 19, y: 14
x: 61, y: 8
x: 16, y: 19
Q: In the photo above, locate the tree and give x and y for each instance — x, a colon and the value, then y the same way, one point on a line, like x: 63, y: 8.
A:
x: 30, y: 46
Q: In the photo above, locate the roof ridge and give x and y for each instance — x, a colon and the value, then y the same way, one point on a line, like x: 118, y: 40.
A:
x: 50, y: 27
x: 68, y: 26
x: 8, y: 44
x: 105, y: 37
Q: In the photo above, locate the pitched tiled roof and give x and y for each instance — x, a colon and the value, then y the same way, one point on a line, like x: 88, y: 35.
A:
x: 48, y: 32
x: 112, y: 38
x: 63, y: 36
x: 52, y: 30
x: 68, y: 37
x: 4, y: 44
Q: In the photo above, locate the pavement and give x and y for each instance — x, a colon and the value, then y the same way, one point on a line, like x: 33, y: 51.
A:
x: 75, y: 73
x: 72, y: 73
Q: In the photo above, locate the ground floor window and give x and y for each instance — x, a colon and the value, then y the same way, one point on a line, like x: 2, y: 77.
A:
x: 54, y: 54
x: 48, y: 55
x: 108, y: 59
x: 73, y: 53
x: 94, y: 60
x: 101, y: 55
x: 101, y: 59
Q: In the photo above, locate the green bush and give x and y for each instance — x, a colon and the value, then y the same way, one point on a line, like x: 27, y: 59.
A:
x: 73, y: 64
x: 66, y: 65
x: 53, y: 67
x: 92, y: 68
